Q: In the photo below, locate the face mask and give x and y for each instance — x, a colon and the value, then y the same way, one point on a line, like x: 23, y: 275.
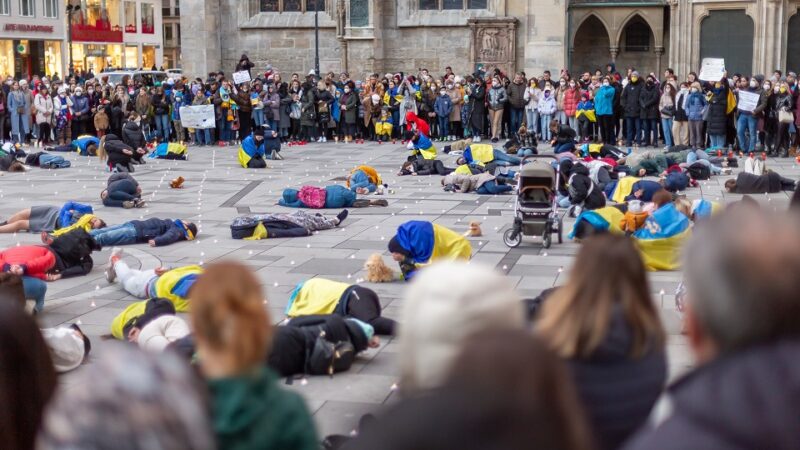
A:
x: 563, y: 83
x: 754, y: 84
x: 547, y: 93
x: 346, y: 90
x: 495, y: 84
x: 783, y: 90
x: 634, y: 79
x: 91, y: 91
x: 572, y: 85
x: 776, y: 89
x: 449, y: 86
x: 606, y: 83
x: 62, y: 95
x: 442, y: 92
x: 650, y: 82
x: 694, y: 89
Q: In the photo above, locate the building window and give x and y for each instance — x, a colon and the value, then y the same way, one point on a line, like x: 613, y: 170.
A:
x: 177, y: 8
x: 168, y: 32
x: 5, y: 8
x: 148, y: 18
x: 51, y: 9
x: 26, y: 8
x: 637, y: 37
x: 436, y: 5
x: 359, y: 13
x: 178, y: 27
x: 290, y: 5
x: 130, y: 17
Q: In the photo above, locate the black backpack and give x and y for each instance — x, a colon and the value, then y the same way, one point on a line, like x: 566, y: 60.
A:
x: 699, y: 171
x: 326, y: 358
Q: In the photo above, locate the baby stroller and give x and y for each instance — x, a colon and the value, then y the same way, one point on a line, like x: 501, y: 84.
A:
x: 535, y: 208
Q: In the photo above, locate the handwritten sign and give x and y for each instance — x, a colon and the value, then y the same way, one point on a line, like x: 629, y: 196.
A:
x: 748, y: 101
x: 241, y: 77
x: 712, y: 69
x: 198, y: 116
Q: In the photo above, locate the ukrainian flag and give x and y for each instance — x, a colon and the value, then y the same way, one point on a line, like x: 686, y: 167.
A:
x: 662, y: 238
x: 603, y: 219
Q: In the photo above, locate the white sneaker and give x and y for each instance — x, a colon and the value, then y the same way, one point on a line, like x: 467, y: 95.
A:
x: 116, y: 254
x: 478, y: 138
x: 324, y: 139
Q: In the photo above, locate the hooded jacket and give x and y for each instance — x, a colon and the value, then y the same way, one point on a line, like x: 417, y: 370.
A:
x: 132, y: 135
x: 630, y: 99
x: 36, y: 260
x: 747, y: 183
x: 516, y: 94
x: 648, y: 102
x: 717, y: 121
x: 582, y: 190
x: 162, y: 231
x: 252, y: 412
x: 114, y: 147
x: 745, y: 400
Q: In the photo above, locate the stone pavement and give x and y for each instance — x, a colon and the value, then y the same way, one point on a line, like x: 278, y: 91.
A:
x: 217, y: 189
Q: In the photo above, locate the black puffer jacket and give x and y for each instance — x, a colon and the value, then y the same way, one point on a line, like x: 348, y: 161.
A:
x: 630, y: 99
x: 132, y: 135
x: 717, y: 122
x: 565, y: 134
x: 648, y: 102
x: 582, y: 190
x: 114, y: 148
x: 749, y: 399
x: 747, y: 183
x: 618, y: 391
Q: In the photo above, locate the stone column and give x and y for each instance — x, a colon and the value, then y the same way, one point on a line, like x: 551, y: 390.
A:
x: 659, y: 51
x: 614, y: 52
x: 200, y: 40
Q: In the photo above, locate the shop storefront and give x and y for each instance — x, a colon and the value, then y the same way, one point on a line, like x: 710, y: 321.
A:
x: 27, y: 50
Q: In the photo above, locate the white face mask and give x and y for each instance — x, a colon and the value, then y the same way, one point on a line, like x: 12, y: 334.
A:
x: 606, y: 83
x: 694, y: 89
x: 442, y: 92
x: 346, y: 90
x: 496, y: 84
x: 754, y: 84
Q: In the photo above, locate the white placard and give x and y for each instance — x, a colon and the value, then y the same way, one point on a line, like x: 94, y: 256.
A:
x: 241, y: 77
x: 198, y: 116
x: 712, y: 69
x: 748, y: 101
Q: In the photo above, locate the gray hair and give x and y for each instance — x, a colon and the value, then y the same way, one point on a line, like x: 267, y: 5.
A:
x: 741, y: 277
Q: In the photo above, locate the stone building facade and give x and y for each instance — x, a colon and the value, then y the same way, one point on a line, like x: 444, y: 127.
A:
x: 365, y: 36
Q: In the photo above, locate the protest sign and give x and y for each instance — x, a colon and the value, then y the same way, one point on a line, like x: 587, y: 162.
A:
x: 241, y: 77
x: 198, y: 116
x: 748, y: 100
x: 712, y: 69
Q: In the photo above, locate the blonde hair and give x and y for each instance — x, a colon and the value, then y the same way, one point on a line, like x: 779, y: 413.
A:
x: 228, y: 315
x: 608, y: 275
x: 683, y: 205
x: 101, y: 149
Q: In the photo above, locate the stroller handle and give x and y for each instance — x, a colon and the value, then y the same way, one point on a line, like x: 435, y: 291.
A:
x: 526, y: 158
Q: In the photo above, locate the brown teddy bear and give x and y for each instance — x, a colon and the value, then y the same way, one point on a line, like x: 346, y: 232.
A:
x: 377, y: 270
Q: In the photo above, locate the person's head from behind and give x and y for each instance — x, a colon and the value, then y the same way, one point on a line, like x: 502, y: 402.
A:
x: 661, y: 198
x: 474, y: 298
x: 128, y: 396
x: 16, y: 166
x: 730, y: 185
x: 231, y: 325
x: 410, y: 135
x: 27, y: 376
x: 575, y: 321
x: 742, y: 292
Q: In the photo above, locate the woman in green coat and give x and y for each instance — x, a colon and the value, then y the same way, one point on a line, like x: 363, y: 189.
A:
x: 232, y: 332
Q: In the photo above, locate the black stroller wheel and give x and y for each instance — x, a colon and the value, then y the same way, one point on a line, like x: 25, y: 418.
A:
x: 547, y: 237
x: 512, y: 238
x: 560, y: 230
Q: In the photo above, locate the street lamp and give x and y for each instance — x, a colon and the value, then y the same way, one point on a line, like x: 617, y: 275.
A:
x: 316, y: 38
x: 71, y: 9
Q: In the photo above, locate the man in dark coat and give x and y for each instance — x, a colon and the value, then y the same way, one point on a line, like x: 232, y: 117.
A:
x: 741, y: 315
x: 478, y: 107
x: 649, y: 114
x: 770, y: 182
x: 632, y: 109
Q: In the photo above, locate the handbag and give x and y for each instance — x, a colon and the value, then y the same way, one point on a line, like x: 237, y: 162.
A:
x: 668, y: 110
x: 785, y: 116
x: 20, y: 110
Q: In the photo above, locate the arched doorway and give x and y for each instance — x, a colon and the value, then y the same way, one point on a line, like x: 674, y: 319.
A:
x: 728, y: 34
x: 793, y: 44
x: 590, y: 46
x: 637, y: 47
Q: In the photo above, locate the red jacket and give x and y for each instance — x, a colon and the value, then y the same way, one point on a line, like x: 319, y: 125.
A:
x: 422, y: 126
x: 36, y: 259
x: 571, y: 100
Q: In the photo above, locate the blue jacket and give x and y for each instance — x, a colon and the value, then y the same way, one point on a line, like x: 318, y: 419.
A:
x: 443, y: 105
x: 423, y: 143
x: 336, y: 196
x: 82, y: 142
x: 80, y: 104
x: 71, y: 212
x: 604, y: 101
x: 359, y: 179
x: 648, y: 188
x: 162, y: 231
x: 249, y: 147
x: 695, y: 105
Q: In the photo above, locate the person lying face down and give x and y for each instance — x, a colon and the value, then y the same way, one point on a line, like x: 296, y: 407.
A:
x: 768, y: 183
x: 418, y: 243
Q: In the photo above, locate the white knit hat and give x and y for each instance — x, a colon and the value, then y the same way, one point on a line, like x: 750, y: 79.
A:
x: 66, y: 347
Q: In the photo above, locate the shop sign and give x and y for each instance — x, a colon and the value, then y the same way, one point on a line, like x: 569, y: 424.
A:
x: 26, y: 27
x: 90, y: 33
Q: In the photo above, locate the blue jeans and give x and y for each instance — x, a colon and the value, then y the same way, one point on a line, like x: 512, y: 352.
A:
x: 202, y: 136
x: 532, y: 119
x: 524, y: 152
x: 504, y: 159
x: 225, y: 131
x: 258, y: 117
x: 743, y: 123
x: 545, y: 121
x: 492, y: 188
x: 666, y: 125
x: 563, y: 201
x: 162, y: 125
x: 34, y: 290
x: 516, y: 119
x: 715, y: 170
x: 717, y: 140
x: 565, y: 147
x: 444, y: 126
x: 633, y: 130
x: 122, y: 234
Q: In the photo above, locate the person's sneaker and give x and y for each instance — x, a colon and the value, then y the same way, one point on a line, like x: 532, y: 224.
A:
x: 116, y: 255
x: 727, y: 171
x: 128, y: 204
x: 273, y: 155
x: 342, y: 215
x: 495, y: 140
x: 139, y: 203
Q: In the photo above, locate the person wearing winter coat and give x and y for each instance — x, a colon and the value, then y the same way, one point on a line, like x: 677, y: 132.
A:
x: 582, y: 190
x: 745, y: 347
x: 348, y: 104
x: 253, y: 150
x: 632, y: 109
x: 122, y: 191
x: 783, y: 102
x: 563, y: 137
x: 586, y: 116
x: 80, y: 112
x: 133, y: 136
x: 244, y: 64
x: 154, y: 232
x: 443, y: 106
x: 419, y: 243
x: 680, y: 119
x: 43, y: 104
x: 666, y: 109
x: 531, y: 96
x: 768, y: 183
x: 20, y: 110
x: 695, y: 107
x: 572, y: 96
x: 456, y: 94
x: 610, y: 334
x: 516, y: 101
x: 308, y: 117
x: 336, y: 197
x: 717, y: 117
x: 483, y: 183
x: 101, y: 121
x: 604, y: 108
x: 244, y: 108
x: 547, y: 109
x: 497, y: 99
x: 421, y: 166
x: 648, y: 112
x: 747, y: 122
x: 477, y: 101
x: 62, y: 105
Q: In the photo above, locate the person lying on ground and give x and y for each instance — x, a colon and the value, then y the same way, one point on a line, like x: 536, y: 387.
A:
x: 280, y: 225
x: 86, y: 145
x: 122, y: 191
x: 485, y: 154
x: 171, y: 284
x: 322, y: 296
x: 484, y: 183
x: 45, y: 160
x: 644, y: 190
x: 169, y: 150
x: 9, y: 163
x: 418, y: 243
x: 415, y: 166
x: 154, y: 232
x: 420, y: 145
x: 329, y: 197
x: 583, y: 193
x: 768, y: 183
x: 118, y: 155
x: 52, y: 218
x: 364, y: 180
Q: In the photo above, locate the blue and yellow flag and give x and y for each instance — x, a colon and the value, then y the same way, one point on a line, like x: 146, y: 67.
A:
x: 662, y: 238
